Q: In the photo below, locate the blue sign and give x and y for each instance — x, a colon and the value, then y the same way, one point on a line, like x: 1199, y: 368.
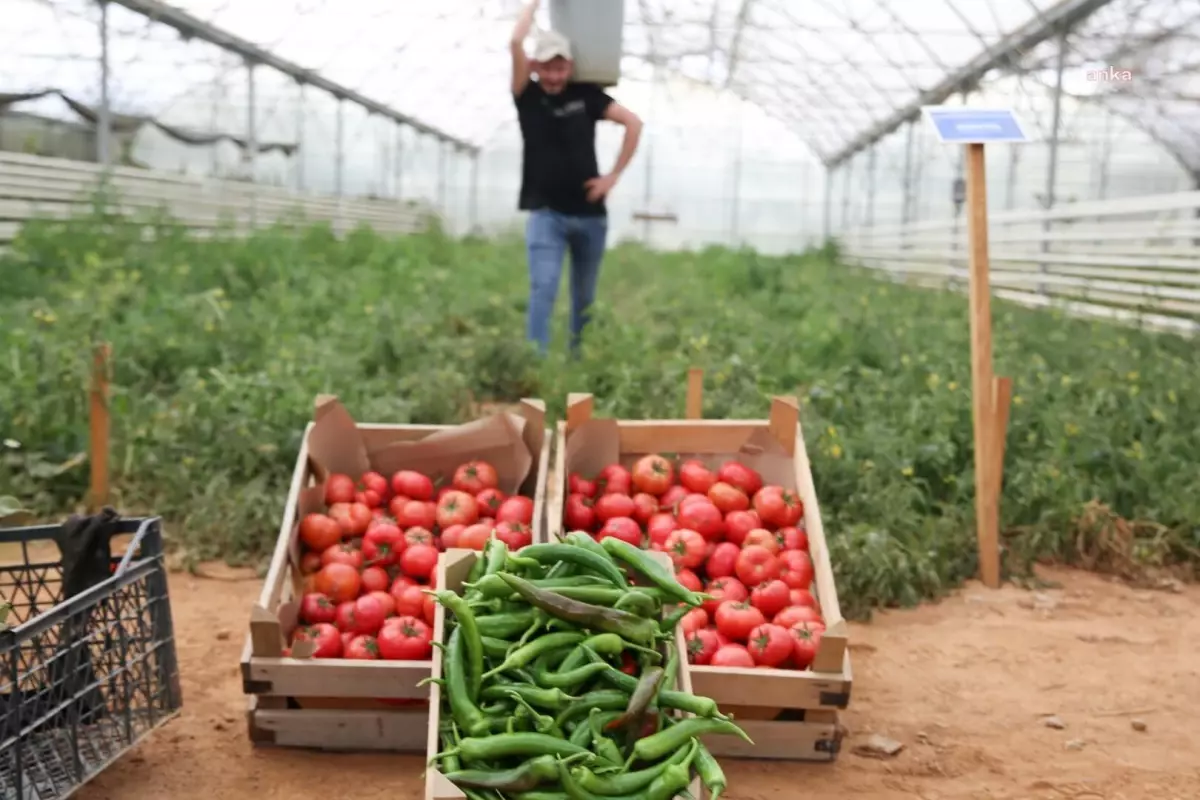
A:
x: 966, y: 125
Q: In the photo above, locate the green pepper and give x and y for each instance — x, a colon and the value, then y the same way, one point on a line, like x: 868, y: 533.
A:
x: 472, y: 643
x: 566, y: 680
x: 528, y: 775
x: 542, y: 794
x: 542, y: 723
x: 603, y: 746
x: 466, y: 714
x: 655, y: 747
x: 647, y: 688
x: 680, y: 701
x: 476, y: 569
x: 671, y: 622
x: 495, y: 648
x: 672, y: 668
x: 636, y: 602
x: 475, y: 749
x: 644, y: 564
x: 495, y: 556
x: 627, y: 782
x: 584, y: 540
x: 523, y: 655
x: 505, y: 626
x: 638, y: 630
x: 554, y: 699
x: 605, y: 700
x: 710, y: 771
x: 551, y: 554
x: 608, y: 644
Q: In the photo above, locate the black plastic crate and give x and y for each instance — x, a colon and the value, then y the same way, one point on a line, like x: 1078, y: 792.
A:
x: 81, y: 681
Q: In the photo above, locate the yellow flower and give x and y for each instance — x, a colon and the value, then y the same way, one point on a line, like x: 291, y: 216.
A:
x: 1066, y: 380
x: 952, y: 386
x: 1071, y: 429
x: 1018, y: 400
x: 218, y: 292
x: 832, y: 432
x: 905, y: 360
x: 1132, y: 376
x: 209, y: 326
x: 907, y: 472
x: 368, y: 309
x: 835, y: 451
x: 1171, y: 396
x: 1134, y: 391
x: 933, y: 380
x: 1158, y: 416
x: 868, y: 465
x: 1053, y: 472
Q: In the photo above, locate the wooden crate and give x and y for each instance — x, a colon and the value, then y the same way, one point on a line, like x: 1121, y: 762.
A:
x: 336, y: 704
x: 789, y: 714
x: 453, y: 568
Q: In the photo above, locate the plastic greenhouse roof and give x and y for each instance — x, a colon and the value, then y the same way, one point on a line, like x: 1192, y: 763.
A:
x: 831, y: 70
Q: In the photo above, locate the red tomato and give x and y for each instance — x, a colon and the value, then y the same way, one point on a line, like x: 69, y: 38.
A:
x: 514, y: 534
x: 688, y: 580
x: 701, y: 646
x: 722, y: 561
x: 732, y: 655
x: 475, y: 537
x: 741, y: 476
x: 653, y: 475
x: 770, y: 597
x: 382, y: 545
x: 428, y: 610
x: 702, y: 517
x: 310, y: 562
x: 413, y: 514
x: 409, y: 597
x: 614, y: 505
x: 363, y: 648
x: 792, y: 538
x: 375, y: 579
x: 389, y: 602
x: 412, y: 484
x: 326, y: 639
x: 614, y: 479
x: 419, y: 561
x: 363, y: 615
x: 723, y: 589
x: 795, y: 614
x: 777, y: 507
x: 339, y: 489
x: 728, y: 498
x: 696, y: 477
x: 694, y: 620
x: 414, y: 536
x: 756, y: 565
x: 672, y: 498
x: 796, y: 569
x: 577, y: 484
x: 490, y: 500
x: 578, y: 513
x: 352, y: 517
x: 623, y: 528
x: 315, y: 607
x: 319, y: 532
x: 806, y: 640
x: 405, y: 639
x: 770, y: 645
x: 374, y: 482
x: 645, y: 506
x: 370, y: 499
x: 381, y: 512
x: 380, y: 517
x: 738, y: 525
x: 456, y: 508
x: 516, y: 509
x: 762, y: 538
x: 475, y: 476
x: 451, y: 535
x: 686, y: 548
x: 660, y: 526
x: 801, y: 597
x: 344, y: 553
x: 736, y: 620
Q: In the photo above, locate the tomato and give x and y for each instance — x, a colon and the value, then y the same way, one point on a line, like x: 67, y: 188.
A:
x: 777, y: 507
x: 694, y: 620
x: 736, y: 620
x: 722, y: 561
x: 352, y: 517
x: 738, y: 525
x: 514, y: 534
x: 578, y: 513
x: 382, y: 545
x: 686, y: 548
x: 363, y: 648
x: 310, y: 562
x: 723, y: 589
x: 795, y: 614
x: 645, y: 506
x: 339, y: 489
x: 377, y: 513
x: 688, y: 580
x: 672, y: 498
x: 374, y: 579
x: 770, y: 597
x: 701, y: 646
x: 696, y: 477
x: 732, y: 655
x: 660, y: 526
x: 386, y: 600
x: 412, y: 514
x: 770, y: 645
x: 762, y: 537
x: 475, y: 537
x: 756, y: 565
x: 344, y: 553
x: 381, y: 518
x: 456, y: 508
x: 409, y: 597
x: 365, y: 615
x: 319, y: 531
x: 405, y: 639
x: 419, y: 561
x: 489, y: 500
x: 614, y: 505
x: 577, y: 484
x: 728, y: 498
x: 623, y: 528
x: 614, y: 479
x: 806, y: 640
x: 450, y: 536
x: 801, y: 597
x: 702, y: 517
x: 516, y: 509
x: 369, y: 499
x: 374, y: 482
x: 315, y: 607
x: 652, y: 474
x: 741, y: 476
x: 326, y: 639
x: 475, y: 476
x: 416, y: 536
x: 412, y: 484
x: 796, y: 569
x: 791, y: 538
x: 428, y: 610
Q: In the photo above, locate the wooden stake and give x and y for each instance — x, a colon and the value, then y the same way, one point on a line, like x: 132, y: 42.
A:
x: 987, y: 465
x: 99, y: 424
x: 695, y: 393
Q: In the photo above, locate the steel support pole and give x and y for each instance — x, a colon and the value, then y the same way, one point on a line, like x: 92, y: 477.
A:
x: 339, y: 158
x: 399, y: 161
x: 848, y: 166
x: 735, y: 212
x: 906, y: 197
x: 441, y: 178
x: 1055, y: 131
x: 104, y: 120
x: 251, y: 151
x: 300, y: 155
x: 871, y: 164
x: 474, y: 208
x: 827, y: 211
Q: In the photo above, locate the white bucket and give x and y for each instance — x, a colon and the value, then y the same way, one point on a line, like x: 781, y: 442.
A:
x: 595, y: 28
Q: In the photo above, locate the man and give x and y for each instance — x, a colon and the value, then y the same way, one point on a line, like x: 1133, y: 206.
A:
x: 561, y: 185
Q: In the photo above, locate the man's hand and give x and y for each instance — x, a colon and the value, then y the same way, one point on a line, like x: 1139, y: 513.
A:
x: 598, y: 188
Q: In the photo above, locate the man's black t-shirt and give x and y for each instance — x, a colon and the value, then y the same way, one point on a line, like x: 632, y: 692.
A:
x: 560, y: 147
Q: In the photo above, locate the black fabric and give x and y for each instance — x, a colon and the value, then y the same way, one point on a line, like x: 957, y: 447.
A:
x: 560, y: 147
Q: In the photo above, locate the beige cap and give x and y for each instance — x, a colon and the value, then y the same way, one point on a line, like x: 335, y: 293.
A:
x: 551, y: 45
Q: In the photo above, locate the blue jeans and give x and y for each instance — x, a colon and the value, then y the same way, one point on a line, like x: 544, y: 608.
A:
x: 548, y: 236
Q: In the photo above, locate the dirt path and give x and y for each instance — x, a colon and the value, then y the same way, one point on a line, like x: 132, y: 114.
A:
x: 963, y: 684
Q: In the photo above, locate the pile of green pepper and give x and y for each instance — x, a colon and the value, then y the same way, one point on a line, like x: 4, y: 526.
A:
x: 534, y: 703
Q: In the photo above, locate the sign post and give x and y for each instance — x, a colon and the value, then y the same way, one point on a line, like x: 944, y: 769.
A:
x: 975, y: 127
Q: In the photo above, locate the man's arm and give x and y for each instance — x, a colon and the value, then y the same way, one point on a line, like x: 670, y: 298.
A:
x: 598, y: 188
x: 520, y: 62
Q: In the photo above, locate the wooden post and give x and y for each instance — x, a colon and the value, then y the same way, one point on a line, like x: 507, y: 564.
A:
x: 695, y: 393
x: 99, y: 424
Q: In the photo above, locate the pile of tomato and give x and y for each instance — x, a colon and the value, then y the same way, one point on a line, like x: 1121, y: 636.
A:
x: 729, y: 535
x: 371, y: 555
